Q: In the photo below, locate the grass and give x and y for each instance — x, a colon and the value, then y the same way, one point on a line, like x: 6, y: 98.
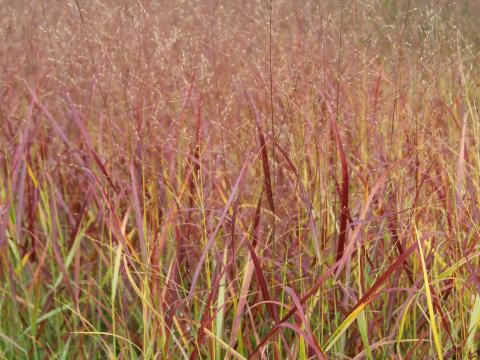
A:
x: 235, y: 180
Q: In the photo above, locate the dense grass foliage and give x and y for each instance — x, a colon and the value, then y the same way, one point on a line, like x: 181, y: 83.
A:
x: 262, y: 179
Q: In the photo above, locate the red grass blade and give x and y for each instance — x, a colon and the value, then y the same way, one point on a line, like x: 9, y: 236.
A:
x: 263, y: 148
x: 312, y: 340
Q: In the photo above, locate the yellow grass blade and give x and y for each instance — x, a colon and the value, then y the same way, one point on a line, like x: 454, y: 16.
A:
x: 436, y: 337
x: 345, y: 325
x: 224, y: 345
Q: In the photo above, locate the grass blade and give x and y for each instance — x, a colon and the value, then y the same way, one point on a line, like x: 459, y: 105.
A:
x: 436, y: 337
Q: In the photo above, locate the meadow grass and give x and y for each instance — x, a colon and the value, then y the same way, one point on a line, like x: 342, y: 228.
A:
x: 231, y: 180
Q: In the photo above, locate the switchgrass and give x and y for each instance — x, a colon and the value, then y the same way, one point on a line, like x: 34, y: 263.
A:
x: 230, y: 180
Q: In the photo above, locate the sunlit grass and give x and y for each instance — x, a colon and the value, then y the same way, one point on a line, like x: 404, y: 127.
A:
x: 230, y: 180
